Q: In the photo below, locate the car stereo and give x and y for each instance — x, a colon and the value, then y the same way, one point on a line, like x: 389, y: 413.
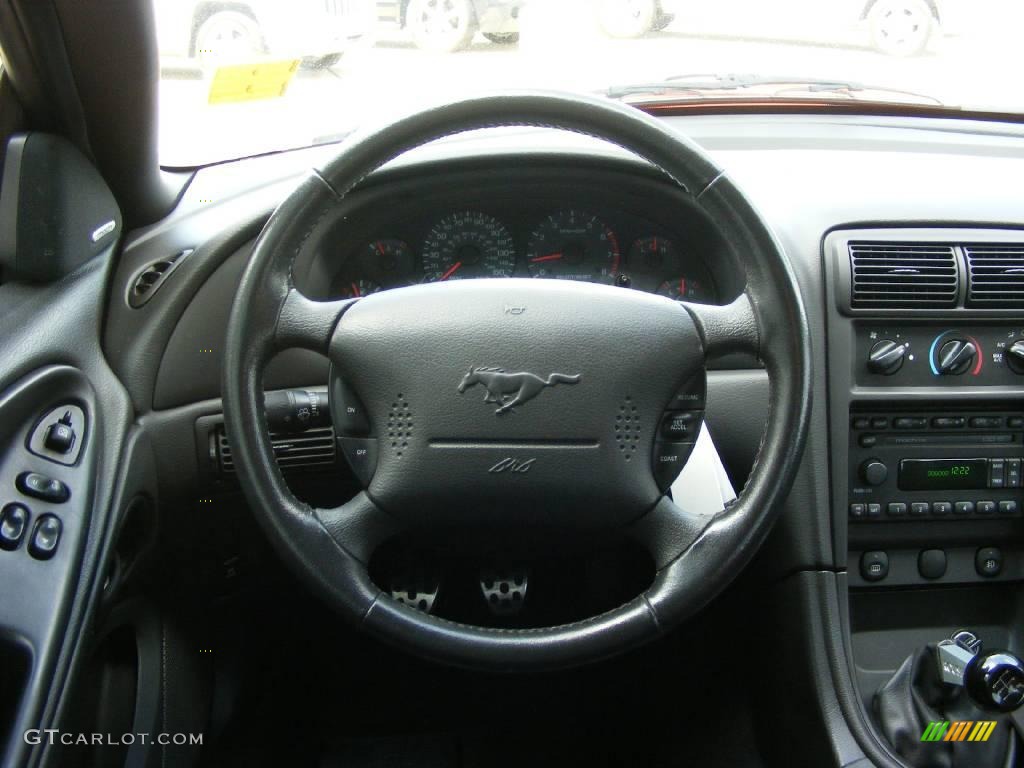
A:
x: 936, y: 464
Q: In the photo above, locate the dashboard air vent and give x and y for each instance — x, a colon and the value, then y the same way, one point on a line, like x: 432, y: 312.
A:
x: 995, y: 275
x: 301, y: 451
x: 893, y: 275
x: 152, y: 277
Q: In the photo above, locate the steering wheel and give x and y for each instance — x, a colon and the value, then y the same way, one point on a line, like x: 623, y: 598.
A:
x: 480, y: 373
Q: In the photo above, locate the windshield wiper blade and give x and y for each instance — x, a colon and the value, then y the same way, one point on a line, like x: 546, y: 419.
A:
x: 701, y: 84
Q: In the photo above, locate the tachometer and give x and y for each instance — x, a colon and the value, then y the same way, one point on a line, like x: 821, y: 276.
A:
x: 574, y: 245
x: 468, y: 244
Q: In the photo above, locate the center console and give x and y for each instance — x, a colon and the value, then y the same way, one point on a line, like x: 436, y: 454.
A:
x: 925, y: 379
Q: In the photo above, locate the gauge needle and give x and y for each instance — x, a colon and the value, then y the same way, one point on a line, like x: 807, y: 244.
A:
x: 355, y: 290
x: 451, y: 270
x: 549, y: 257
x: 380, y: 248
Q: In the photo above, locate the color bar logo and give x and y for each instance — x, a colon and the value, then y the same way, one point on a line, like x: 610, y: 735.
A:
x: 959, y: 730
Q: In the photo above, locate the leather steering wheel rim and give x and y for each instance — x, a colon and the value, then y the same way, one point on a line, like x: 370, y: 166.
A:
x: 695, y: 558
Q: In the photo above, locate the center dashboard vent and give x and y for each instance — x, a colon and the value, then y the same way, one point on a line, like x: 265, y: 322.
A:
x: 303, y: 451
x: 895, y: 275
x: 995, y: 275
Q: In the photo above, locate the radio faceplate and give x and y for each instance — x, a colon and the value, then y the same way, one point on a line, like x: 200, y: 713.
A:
x: 935, y: 465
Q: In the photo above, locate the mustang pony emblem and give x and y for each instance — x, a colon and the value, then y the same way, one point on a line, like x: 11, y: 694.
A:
x: 511, y: 389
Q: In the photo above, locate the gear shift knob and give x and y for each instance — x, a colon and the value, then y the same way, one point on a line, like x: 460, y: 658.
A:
x: 995, y: 681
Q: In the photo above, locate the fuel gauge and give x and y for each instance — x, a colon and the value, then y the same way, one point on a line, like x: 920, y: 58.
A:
x: 355, y: 289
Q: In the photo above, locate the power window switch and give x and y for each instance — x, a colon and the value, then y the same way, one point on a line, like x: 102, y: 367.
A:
x: 13, y: 524
x: 45, y: 537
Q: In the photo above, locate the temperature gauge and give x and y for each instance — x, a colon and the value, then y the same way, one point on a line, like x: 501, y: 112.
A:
x: 684, y: 289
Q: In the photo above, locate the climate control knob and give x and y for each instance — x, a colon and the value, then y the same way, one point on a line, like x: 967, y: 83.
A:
x: 874, y: 472
x: 955, y: 357
x: 1015, y: 356
x: 886, y: 357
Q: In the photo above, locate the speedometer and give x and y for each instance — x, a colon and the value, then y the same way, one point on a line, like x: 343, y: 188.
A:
x: 574, y: 245
x: 468, y: 244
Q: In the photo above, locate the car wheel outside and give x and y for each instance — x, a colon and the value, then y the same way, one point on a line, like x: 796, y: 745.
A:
x: 627, y: 18
x: 900, y: 27
x: 228, y: 35
x: 502, y: 38
x: 441, y: 26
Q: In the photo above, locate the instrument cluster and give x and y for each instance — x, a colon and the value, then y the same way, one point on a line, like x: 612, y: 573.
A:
x: 570, y: 243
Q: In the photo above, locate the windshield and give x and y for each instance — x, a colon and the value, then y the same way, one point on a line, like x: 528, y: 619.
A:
x: 249, y: 77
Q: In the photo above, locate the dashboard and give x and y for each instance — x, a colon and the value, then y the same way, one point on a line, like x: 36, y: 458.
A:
x: 536, y: 223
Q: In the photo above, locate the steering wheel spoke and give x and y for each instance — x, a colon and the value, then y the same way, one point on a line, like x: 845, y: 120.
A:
x: 359, y: 526
x: 728, y: 328
x: 667, y: 530
x: 308, y: 324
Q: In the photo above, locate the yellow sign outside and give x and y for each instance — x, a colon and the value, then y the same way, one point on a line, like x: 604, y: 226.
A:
x: 252, y: 82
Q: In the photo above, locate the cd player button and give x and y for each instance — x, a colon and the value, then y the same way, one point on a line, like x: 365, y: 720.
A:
x: 964, y: 508
x: 1015, y: 422
x: 910, y: 422
x: 941, y: 508
x: 874, y: 510
x: 919, y: 508
x: 996, y: 473
x: 860, y: 422
x: 879, y: 422
x: 986, y: 507
x: 948, y: 422
x: 1009, y: 507
x: 1013, y: 473
x: 858, y: 510
x: 987, y: 422
x: 896, y: 509
x: 866, y: 441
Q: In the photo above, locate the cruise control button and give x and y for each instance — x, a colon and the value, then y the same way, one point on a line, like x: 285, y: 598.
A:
x: 348, y: 412
x: 361, y: 455
x: 45, y: 537
x: 669, y: 459
x: 1008, y: 507
x: 692, y: 395
x: 43, y: 487
x: 985, y: 507
x: 988, y: 561
x: 963, y: 508
x: 13, y: 524
x: 681, y: 425
x: 942, y: 508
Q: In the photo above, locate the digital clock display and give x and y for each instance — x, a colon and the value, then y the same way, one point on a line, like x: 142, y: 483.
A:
x: 942, y: 474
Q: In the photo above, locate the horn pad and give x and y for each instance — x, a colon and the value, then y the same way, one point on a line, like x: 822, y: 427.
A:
x: 515, y: 399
